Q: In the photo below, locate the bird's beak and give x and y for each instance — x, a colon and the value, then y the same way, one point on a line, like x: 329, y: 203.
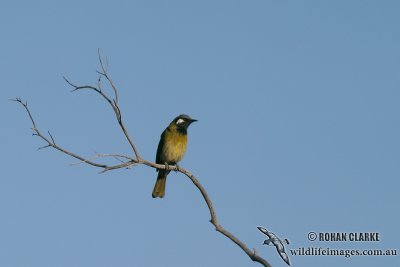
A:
x: 192, y: 120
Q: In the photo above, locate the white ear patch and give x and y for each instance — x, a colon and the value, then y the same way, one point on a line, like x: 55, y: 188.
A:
x: 180, y: 121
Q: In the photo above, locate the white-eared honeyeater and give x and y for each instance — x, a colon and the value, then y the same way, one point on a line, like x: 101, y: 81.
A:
x: 171, y: 148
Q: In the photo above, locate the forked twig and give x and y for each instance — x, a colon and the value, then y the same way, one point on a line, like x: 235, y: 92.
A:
x: 127, y: 162
x: 51, y: 143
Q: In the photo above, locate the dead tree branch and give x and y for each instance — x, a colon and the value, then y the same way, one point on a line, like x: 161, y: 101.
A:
x: 127, y: 161
x: 51, y: 143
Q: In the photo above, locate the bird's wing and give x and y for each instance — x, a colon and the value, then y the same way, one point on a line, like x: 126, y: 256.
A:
x: 263, y: 230
x: 159, y: 149
x: 285, y: 257
x: 281, y: 251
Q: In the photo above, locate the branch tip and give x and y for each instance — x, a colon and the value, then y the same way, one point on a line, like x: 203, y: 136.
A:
x: 42, y: 147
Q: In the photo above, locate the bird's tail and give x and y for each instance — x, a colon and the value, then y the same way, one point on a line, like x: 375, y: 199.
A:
x: 159, y: 187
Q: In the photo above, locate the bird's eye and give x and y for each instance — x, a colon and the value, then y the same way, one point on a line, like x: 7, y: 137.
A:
x: 180, y: 121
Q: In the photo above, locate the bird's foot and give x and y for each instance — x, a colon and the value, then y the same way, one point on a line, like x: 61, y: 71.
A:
x: 166, y: 166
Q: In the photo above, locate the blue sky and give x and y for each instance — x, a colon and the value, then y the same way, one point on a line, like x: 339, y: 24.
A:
x: 298, y: 109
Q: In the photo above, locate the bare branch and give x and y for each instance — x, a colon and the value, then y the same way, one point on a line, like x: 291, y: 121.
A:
x: 127, y: 162
x: 252, y: 254
x: 105, y: 74
x: 51, y: 143
x: 113, y: 103
x: 25, y: 105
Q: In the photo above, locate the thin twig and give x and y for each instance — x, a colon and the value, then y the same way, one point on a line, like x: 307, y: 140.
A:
x: 130, y: 161
x: 114, y: 156
x: 105, y: 74
x: 52, y: 139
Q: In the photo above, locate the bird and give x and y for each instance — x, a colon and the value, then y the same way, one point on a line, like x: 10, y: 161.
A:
x: 171, y: 149
x: 277, y: 242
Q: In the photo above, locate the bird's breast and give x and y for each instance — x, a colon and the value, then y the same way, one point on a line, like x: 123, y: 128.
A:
x: 174, y: 147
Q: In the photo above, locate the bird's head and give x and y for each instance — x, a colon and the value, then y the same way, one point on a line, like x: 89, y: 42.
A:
x: 267, y: 242
x: 182, y: 122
